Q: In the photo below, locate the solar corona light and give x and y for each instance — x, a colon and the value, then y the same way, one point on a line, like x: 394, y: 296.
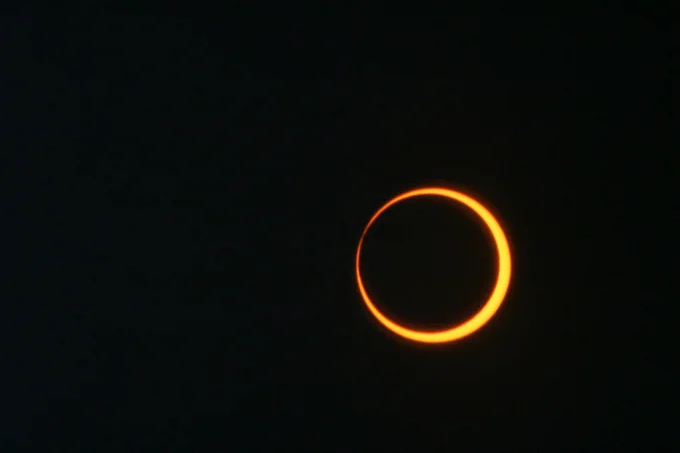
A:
x: 490, y: 307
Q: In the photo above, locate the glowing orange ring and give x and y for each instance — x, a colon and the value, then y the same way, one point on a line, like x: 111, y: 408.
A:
x: 491, y: 305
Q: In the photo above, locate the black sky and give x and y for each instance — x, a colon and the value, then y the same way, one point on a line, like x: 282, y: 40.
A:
x: 186, y: 196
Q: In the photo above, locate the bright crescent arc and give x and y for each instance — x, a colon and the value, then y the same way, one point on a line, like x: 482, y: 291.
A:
x: 502, y: 280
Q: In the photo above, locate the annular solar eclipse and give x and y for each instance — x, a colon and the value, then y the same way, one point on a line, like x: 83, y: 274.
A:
x: 504, y: 264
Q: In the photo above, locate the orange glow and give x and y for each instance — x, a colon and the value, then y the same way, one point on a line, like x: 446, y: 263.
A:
x: 502, y: 280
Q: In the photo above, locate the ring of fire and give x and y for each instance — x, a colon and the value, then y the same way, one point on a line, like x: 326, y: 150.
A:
x: 492, y: 304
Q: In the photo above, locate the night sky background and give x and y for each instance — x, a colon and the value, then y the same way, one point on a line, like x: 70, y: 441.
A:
x: 183, y: 198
